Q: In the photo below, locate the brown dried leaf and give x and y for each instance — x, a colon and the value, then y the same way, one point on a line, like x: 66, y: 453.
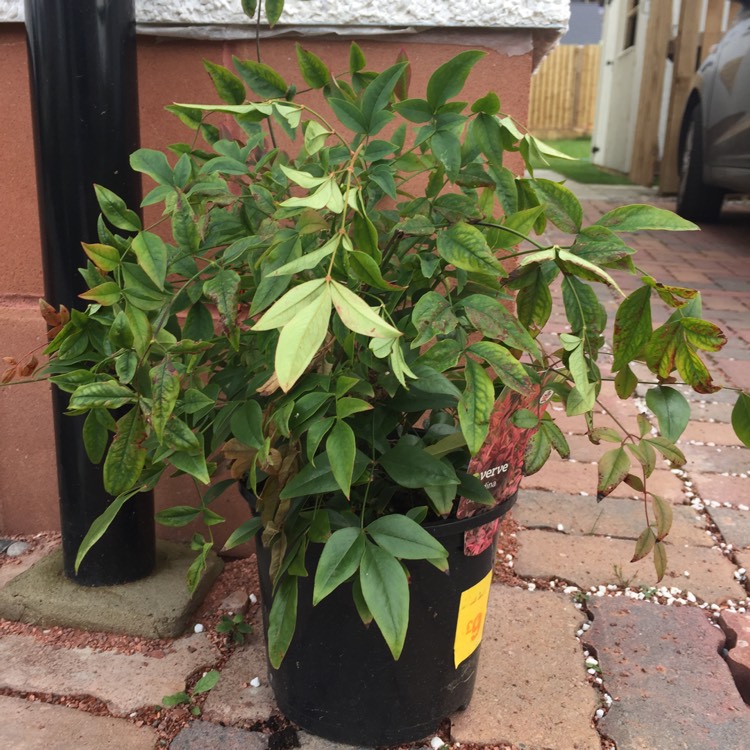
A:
x: 29, y: 367
x: 8, y: 375
x: 64, y: 314
x: 10, y: 360
x: 50, y: 315
x: 270, y: 386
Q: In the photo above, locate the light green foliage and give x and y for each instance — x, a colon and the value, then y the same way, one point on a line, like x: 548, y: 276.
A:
x: 336, y: 318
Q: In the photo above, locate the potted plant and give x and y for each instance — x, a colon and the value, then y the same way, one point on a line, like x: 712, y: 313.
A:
x: 351, y: 315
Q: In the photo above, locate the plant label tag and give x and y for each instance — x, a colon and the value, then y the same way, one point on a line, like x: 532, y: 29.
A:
x: 472, y: 611
x: 499, y: 462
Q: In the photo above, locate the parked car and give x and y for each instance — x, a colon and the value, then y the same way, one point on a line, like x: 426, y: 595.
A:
x: 714, y: 146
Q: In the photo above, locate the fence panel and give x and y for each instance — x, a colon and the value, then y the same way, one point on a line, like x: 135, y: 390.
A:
x: 563, y: 92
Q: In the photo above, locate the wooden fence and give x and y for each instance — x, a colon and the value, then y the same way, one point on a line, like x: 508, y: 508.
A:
x: 563, y: 92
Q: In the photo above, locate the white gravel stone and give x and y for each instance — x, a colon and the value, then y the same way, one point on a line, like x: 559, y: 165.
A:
x: 198, y: 628
x: 255, y: 682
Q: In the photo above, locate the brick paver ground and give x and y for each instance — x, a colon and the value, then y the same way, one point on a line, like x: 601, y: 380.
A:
x: 660, y: 682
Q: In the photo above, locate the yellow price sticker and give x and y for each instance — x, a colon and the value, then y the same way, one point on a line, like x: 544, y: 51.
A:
x: 471, y: 614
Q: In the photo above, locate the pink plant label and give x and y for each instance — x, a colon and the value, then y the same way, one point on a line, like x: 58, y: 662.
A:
x: 499, y: 463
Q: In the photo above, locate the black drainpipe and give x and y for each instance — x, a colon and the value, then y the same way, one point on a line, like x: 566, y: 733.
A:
x: 84, y: 96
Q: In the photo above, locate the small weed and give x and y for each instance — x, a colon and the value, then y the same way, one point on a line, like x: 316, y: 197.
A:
x: 235, y: 628
x: 622, y: 580
x: 206, y: 683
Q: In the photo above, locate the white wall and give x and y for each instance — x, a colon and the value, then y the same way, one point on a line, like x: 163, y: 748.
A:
x: 549, y: 14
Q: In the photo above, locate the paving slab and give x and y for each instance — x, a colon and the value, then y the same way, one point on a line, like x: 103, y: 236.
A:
x: 723, y: 489
x: 531, y: 686
x: 575, y: 477
x: 124, y: 682
x: 617, y: 517
x: 736, y: 627
x: 13, y: 567
x: 734, y: 525
x: 29, y: 725
x: 203, y: 735
x: 717, y: 459
x: 234, y: 700
x: 154, y: 607
x: 671, y: 688
x: 710, y: 432
x: 309, y: 741
x: 592, y: 561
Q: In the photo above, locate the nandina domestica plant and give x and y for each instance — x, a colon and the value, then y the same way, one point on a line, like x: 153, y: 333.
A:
x: 352, y: 318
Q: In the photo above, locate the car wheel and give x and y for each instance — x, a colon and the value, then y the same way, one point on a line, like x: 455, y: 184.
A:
x: 696, y: 200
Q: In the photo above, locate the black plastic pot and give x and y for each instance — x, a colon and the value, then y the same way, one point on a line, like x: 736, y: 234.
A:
x: 339, y: 680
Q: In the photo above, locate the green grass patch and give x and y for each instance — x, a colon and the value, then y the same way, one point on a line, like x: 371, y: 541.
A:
x: 581, y: 170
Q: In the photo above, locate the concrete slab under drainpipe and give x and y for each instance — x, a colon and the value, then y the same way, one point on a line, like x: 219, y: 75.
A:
x: 154, y: 607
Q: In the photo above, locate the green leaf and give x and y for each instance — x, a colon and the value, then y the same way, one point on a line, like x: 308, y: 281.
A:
x: 341, y: 449
x: 741, y: 418
x: 703, y: 335
x: 614, y: 466
x: 493, y: 320
x: 663, y: 516
x: 115, y: 211
x: 561, y: 206
x: 447, y: 150
x: 486, y: 133
x: 524, y: 419
x: 308, y: 260
x: 100, y: 525
x: 177, y: 515
x: 404, y: 538
x: 671, y: 409
x: 475, y: 406
x: 449, y: 78
x: 249, y: 7
x: 356, y: 58
x: 644, y: 544
x: 538, y: 450
x: 165, y: 388
x: 104, y: 257
x: 368, y: 271
x: 152, y: 256
x: 126, y: 365
x: 300, y: 341
x: 95, y: 437
x: 105, y: 294
x: 465, y: 247
x: 247, y: 424
x: 195, y: 400
x: 206, y: 683
x: 175, y: 700
x: 413, y: 467
x: 385, y: 590
x: 625, y: 382
x: 633, y: 327
x: 414, y: 110
x: 126, y: 456
x: 282, y: 620
x: 244, y: 533
x: 488, y: 104
x: 660, y: 560
x: 670, y: 451
x: 108, y: 395
x: 295, y: 301
x: 378, y: 93
x: 349, y: 115
x: 510, y: 371
x: 339, y: 561
x: 229, y: 88
x: 641, y: 217
x: 261, y: 78
x: 358, y: 316
x: 154, y: 164
x: 179, y: 437
x: 223, y: 289
x: 313, y: 69
x: 534, y: 301
x: 315, y: 479
x: 191, y: 463
x: 432, y: 316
